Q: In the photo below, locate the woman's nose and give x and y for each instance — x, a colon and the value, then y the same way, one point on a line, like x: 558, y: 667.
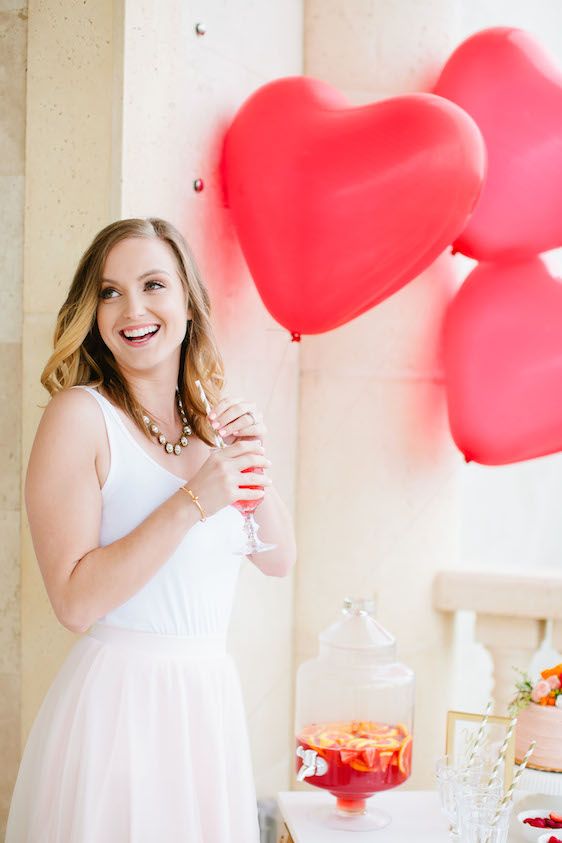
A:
x: 134, y: 306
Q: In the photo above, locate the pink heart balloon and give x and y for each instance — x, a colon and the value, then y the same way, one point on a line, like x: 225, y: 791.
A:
x: 503, y: 363
x: 338, y: 207
x: 506, y: 81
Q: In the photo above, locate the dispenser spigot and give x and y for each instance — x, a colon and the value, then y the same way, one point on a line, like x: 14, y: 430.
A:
x: 312, y: 764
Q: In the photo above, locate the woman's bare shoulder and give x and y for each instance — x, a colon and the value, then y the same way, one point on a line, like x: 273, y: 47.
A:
x: 71, y: 419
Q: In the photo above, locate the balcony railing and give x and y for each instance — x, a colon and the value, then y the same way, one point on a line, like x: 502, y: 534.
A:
x: 512, y: 610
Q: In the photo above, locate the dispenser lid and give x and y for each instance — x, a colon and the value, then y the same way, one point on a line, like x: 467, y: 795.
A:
x: 357, y: 629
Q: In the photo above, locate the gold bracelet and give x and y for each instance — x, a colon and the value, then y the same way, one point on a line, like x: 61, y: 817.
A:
x: 195, y: 499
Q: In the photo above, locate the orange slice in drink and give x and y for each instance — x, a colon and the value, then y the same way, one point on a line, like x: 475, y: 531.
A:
x: 359, y: 743
x: 389, y: 744
x: 359, y: 765
x: 385, y: 758
x: 369, y: 756
x: 405, y: 756
x: 325, y: 739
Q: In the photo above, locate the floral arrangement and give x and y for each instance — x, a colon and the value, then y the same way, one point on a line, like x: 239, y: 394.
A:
x: 546, y: 691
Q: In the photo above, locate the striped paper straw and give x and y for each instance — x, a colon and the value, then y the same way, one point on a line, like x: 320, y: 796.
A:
x: 511, y: 789
x: 502, y: 753
x: 479, y: 736
x: 219, y: 441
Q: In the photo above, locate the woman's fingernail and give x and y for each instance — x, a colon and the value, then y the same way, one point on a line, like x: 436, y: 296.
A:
x: 222, y: 431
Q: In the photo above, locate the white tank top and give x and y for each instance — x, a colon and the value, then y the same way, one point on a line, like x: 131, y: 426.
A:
x: 192, y: 593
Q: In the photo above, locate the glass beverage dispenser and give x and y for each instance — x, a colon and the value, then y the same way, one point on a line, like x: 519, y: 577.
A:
x: 354, y: 717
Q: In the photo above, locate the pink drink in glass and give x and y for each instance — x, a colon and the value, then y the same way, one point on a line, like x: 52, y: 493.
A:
x: 245, y: 507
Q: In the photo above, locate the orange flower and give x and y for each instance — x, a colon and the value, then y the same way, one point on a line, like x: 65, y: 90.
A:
x: 552, y: 671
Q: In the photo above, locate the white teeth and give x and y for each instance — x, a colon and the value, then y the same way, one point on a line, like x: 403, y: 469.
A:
x: 141, y: 332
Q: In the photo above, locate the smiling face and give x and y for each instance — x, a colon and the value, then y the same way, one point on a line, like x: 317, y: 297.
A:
x: 142, y: 307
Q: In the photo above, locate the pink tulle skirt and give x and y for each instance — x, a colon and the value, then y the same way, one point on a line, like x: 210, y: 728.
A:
x: 141, y: 738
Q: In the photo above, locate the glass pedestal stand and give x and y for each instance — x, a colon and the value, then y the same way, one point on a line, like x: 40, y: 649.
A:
x: 350, y: 814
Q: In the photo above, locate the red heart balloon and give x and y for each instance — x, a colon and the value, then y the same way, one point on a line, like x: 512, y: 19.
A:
x: 506, y: 81
x: 503, y: 363
x: 338, y: 207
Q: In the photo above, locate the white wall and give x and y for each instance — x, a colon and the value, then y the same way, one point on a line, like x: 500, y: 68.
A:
x: 511, y: 515
x: 378, y: 489
x: 384, y: 497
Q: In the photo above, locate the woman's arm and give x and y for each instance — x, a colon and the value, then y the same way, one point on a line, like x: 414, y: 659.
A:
x: 276, y: 527
x: 64, y: 505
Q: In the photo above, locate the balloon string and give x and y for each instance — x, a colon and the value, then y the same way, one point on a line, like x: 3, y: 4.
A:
x: 277, y: 374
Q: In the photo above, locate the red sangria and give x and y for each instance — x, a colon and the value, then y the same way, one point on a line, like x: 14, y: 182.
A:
x: 354, y: 719
x: 253, y: 542
x: 362, y: 759
x: 245, y: 507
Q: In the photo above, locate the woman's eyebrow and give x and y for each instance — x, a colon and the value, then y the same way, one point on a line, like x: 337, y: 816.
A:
x: 150, y: 272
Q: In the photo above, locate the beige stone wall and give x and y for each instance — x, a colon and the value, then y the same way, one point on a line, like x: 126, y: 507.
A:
x: 13, y: 36
x: 69, y: 195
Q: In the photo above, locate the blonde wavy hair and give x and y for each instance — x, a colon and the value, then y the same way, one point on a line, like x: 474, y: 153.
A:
x: 80, y: 356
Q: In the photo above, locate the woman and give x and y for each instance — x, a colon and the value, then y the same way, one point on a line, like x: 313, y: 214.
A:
x: 142, y: 737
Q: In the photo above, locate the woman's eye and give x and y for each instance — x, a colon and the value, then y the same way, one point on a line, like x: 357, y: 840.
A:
x: 105, y: 293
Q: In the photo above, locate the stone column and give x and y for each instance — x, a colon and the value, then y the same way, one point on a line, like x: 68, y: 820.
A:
x: 13, y: 37
x: 72, y: 190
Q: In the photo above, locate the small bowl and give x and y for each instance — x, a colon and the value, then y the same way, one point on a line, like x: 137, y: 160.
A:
x: 532, y: 834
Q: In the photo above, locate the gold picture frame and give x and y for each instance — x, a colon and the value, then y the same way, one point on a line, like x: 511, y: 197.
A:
x: 454, y: 718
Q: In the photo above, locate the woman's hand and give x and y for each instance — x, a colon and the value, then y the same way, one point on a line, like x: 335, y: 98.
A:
x: 236, y: 420
x: 218, y: 481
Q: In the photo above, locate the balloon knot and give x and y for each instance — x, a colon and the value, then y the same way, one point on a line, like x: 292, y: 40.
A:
x: 295, y: 336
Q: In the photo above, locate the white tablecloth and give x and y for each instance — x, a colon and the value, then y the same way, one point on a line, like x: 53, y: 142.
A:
x: 416, y: 817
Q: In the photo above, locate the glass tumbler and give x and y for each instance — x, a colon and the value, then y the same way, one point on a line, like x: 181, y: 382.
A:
x: 482, y: 817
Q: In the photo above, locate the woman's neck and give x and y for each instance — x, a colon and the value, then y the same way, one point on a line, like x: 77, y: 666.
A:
x: 156, y: 393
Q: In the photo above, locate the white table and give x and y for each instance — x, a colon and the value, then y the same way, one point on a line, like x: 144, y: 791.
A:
x: 416, y: 816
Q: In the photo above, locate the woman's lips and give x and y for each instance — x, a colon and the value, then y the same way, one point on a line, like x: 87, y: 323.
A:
x: 139, y: 341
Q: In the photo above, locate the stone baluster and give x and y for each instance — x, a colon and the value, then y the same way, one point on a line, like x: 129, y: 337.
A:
x: 511, y: 642
x: 511, y: 613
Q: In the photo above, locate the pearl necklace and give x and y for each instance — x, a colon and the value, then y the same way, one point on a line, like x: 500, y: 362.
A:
x: 183, y: 441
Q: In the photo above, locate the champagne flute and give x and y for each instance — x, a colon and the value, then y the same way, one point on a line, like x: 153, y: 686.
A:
x: 246, y: 508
